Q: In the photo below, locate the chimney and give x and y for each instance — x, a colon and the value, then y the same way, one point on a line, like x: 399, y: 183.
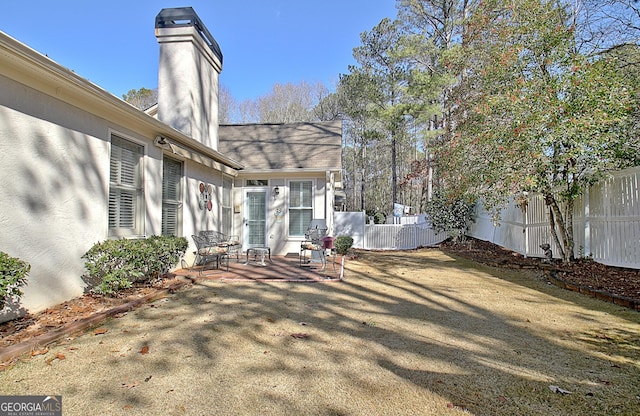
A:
x: 188, y: 75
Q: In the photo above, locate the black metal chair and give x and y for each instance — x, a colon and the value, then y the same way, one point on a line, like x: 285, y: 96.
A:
x: 208, y: 252
x: 313, y: 243
x: 231, y: 242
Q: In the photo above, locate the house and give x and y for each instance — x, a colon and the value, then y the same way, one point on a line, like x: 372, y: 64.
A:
x: 290, y: 177
x: 79, y: 165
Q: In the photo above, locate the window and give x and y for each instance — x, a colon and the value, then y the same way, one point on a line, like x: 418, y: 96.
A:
x: 300, y: 207
x: 225, y: 226
x: 171, y: 196
x: 256, y: 182
x: 126, y: 201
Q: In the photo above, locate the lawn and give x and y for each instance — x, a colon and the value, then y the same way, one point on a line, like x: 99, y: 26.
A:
x: 405, y: 333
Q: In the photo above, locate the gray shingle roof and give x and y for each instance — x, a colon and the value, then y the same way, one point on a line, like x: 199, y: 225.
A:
x: 316, y: 146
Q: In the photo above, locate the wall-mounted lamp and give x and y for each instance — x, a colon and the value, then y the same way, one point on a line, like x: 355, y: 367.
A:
x: 166, y: 144
x: 276, y: 192
x: 161, y: 142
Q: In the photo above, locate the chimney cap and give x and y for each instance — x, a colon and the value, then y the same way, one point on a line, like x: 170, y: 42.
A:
x: 184, y: 17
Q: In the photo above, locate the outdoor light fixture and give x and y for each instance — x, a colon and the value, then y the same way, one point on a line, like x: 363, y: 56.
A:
x: 161, y: 142
x: 276, y: 191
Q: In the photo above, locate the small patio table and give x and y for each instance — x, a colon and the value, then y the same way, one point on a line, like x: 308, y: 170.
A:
x: 262, y: 251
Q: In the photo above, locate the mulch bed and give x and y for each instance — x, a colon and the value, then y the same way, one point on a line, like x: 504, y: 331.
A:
x: 76, y: 310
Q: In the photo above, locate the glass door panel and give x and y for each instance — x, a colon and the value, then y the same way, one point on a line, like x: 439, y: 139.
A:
x: 255, y: 221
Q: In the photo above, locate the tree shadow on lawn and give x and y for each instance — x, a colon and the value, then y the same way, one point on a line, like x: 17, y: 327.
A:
x: 524, y: 352
x: 505, y: 357
x: 447, y: 326
x: 403, y: 332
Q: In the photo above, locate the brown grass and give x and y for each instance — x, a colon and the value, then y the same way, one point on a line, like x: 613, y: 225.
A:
x: 405, y: 333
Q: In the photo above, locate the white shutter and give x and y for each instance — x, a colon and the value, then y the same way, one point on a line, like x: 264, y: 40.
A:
x: 171, y: 196
x: 226, y: 211
x: 125, y: 188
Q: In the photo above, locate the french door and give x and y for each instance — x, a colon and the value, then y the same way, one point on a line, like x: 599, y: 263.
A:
x: 255, y: 218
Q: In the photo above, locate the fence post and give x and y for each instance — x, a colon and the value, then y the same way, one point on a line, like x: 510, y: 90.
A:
x: 364, y: 230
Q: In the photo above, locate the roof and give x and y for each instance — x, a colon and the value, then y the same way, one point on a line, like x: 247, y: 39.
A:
x: 283, y: 147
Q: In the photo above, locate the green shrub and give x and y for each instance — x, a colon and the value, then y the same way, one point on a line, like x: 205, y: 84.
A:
x: 378, y: 217
x: 13, y: 275
x: 343, y: 243
x: 452, y: 216
x: 117, y: 264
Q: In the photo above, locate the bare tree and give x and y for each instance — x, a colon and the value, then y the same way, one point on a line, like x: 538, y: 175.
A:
x: 227, y: 105
x: 289, y: 103
x: 286, y: 103
x: 142, y: 98
x: 247, y: 112
x: 603, y: 25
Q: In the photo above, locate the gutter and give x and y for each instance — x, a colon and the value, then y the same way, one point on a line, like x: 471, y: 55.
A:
x: 291, y: 170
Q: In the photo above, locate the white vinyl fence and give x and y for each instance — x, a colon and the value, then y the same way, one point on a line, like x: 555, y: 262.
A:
x: 351, y: 224
x: 405, y: 236
x: 606, y: 223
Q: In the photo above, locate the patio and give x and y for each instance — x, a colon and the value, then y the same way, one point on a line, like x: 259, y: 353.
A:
x: 279, y: 268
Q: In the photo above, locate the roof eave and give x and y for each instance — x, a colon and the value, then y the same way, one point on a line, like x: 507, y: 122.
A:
x: 290, y: 170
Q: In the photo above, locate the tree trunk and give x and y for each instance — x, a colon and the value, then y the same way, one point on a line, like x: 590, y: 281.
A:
x: 570, y: 243
x: 552, y: 225
x: 556, y: 221
x: 364, y: 173
x: 394, y: 174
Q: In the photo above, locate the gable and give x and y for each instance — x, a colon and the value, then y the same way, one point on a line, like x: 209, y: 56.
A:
x: 295, y: 146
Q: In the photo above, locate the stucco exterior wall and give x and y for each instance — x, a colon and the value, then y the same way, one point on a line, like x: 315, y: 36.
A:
x: 188, y: 84
x: 195, y: 217
x: 55, y: 170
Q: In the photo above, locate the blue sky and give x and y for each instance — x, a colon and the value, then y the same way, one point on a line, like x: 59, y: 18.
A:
x: 112, y: 42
